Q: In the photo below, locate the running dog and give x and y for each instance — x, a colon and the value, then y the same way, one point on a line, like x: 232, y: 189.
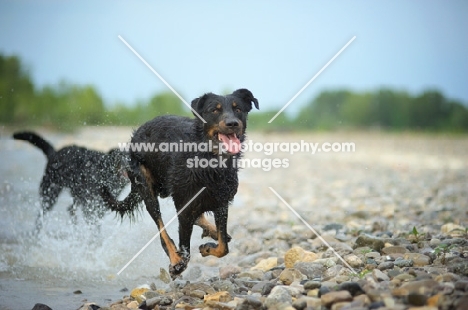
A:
x: 83, y: 172
x: 221, y: 121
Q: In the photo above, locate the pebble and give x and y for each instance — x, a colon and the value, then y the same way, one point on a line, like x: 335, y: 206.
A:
x: 304, y: 274
x: 279, y: 297
x: 298, y: 254
x: 394, y: 250
x: 333, y: 297
x: 290, y: 275
x: 419, y: 260
x: 228, y: 271
x: 379, y: 275
x: 266, y: 264
x: 372, y: 242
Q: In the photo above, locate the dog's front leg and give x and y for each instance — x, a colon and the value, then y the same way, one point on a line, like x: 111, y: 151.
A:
x: 220, y: 249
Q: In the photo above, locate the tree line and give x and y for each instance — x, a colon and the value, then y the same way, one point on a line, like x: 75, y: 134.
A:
x: 65, y: 106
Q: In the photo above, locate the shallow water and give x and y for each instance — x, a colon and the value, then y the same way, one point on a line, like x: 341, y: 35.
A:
x: 64, y: 257
x: 384, y: 177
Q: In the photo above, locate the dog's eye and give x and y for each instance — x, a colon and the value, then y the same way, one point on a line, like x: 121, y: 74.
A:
x: 237, y: 110
x: 215, y: 111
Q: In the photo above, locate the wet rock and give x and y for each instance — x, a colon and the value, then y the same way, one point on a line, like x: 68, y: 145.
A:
x: 228, y: 271
x: 334, y: 297
x: 290, y: 275
x: 137, y: 293
x: 133, y: 305
x: 86, y: 306
x: 41, y: 307
x: 164, y: 275
x: 278, y: 298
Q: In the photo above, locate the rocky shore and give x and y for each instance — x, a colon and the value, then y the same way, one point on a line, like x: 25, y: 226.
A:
x: 379, y: 271
x: 392, y: 221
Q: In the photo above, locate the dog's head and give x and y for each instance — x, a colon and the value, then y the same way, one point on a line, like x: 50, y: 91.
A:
x: 226, y: 117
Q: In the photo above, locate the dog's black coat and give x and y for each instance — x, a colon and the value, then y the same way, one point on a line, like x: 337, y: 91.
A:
x: 164, y: 174
x: 82, y: 171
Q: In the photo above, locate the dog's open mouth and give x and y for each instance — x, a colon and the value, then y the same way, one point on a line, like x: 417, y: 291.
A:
x: 230, y: 143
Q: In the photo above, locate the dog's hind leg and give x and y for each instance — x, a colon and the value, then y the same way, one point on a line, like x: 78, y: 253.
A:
x: 209, y: 229
x: 49, y: 193
x: 144, y: 183
x: 220, y: 249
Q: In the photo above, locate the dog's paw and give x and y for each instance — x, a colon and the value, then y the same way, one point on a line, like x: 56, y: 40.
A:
x: 177, y: 269
x: 206, y: 248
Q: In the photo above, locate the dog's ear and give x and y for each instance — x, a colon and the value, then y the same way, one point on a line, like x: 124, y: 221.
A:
x: 198, y: 103
x: 246, y: 96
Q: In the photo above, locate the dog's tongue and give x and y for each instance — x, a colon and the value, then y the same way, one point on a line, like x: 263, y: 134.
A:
x: 230, y: 142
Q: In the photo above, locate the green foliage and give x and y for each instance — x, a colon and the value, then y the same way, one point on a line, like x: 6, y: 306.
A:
x: 160, y: 104
x: 66, y: 106
x: 415, y: 235
x: 442, y: 250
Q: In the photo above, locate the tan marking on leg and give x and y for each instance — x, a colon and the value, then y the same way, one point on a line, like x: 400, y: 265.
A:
x: 209, y: 229
x: 148, y: 177
x: 174, y: 257
x: 221, y: 250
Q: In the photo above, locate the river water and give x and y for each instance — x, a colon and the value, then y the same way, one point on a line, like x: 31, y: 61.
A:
x: 65, y: 258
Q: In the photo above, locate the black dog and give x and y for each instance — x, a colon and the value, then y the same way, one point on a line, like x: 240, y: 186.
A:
x: 176, y: 174
x: 81, y: 170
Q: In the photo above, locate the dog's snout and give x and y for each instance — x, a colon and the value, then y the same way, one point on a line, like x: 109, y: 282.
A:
x: 232, y: 122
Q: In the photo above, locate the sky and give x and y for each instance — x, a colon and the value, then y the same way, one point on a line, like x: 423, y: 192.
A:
x: 273, y: 48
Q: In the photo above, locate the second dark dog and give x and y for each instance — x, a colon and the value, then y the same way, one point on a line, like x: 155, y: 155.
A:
x: 195, y: 189
x: 82, y: 171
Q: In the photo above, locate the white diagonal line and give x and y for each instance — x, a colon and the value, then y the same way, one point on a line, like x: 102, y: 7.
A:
x: 157, y: 235
x: 312, y: 79
x: 161, y: 78
x: 313, y: 230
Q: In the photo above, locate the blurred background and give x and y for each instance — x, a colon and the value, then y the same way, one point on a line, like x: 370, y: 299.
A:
x: 64, y: 71
x: 62, y: 64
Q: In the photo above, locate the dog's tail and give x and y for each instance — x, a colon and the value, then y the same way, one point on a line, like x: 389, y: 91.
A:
x: 126, y: 207
x: 35, y: 140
